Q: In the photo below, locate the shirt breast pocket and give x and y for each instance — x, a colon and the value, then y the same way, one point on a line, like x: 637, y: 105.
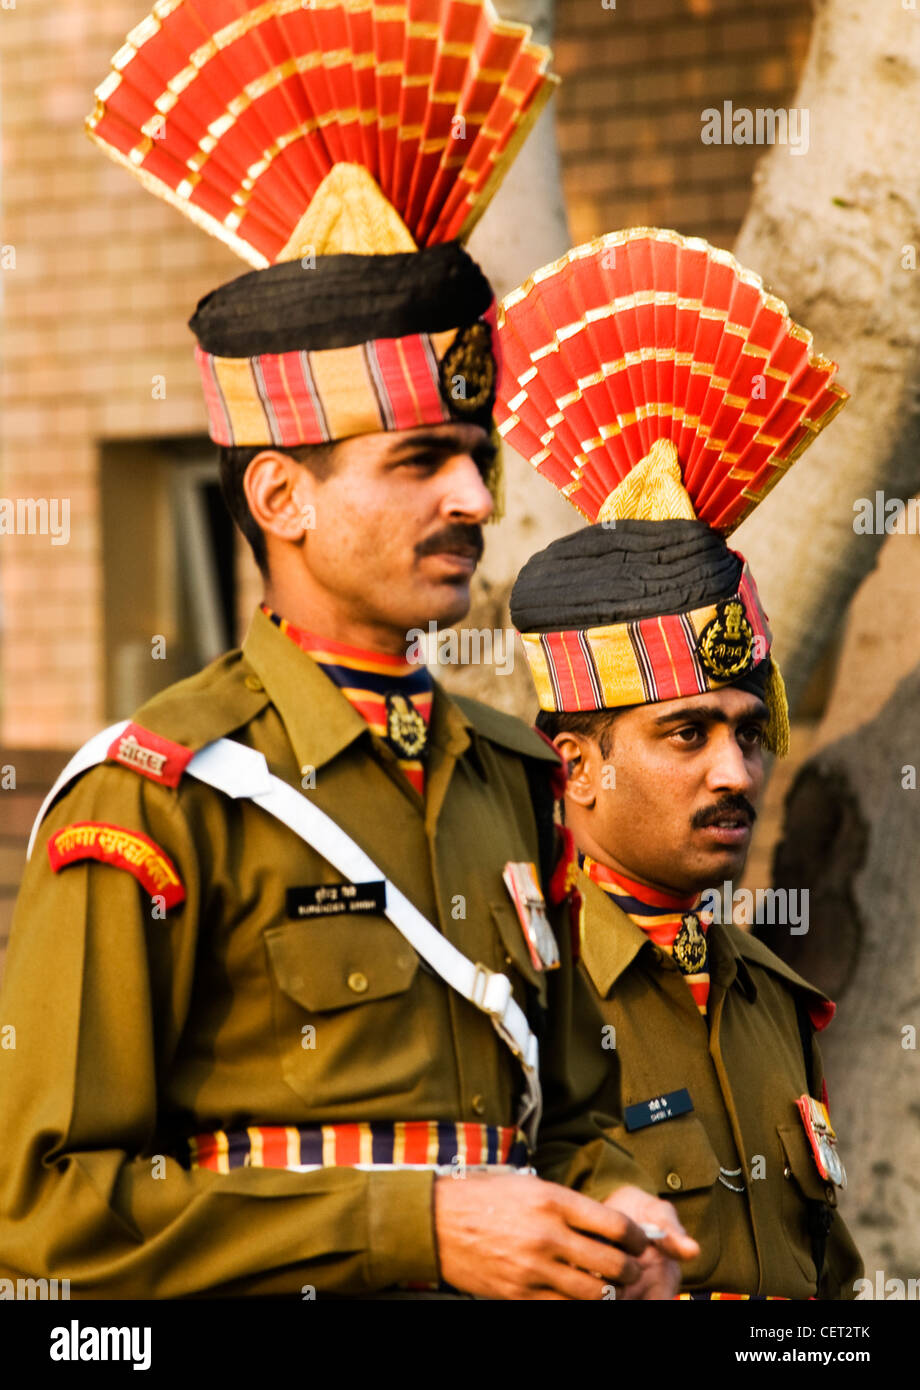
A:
x: 346, y: 1029
x: 802, y: 1183
x: 682, y: 1164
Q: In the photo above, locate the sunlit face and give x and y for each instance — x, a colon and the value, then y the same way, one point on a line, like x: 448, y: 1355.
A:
x: 673, y: 803
x: 394, y: 533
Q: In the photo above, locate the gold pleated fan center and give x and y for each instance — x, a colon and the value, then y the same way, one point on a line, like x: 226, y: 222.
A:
x: 652, y: 491
x: 348, y: 214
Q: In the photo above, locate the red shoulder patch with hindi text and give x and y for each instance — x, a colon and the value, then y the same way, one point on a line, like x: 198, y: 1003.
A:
x: 151, y: 755
x: 123, y: 849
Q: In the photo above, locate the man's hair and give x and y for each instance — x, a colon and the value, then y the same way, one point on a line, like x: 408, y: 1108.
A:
x: 319, y: 458
x: 594, y: 723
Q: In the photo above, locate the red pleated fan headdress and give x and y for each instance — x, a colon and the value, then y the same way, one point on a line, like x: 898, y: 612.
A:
x: 658, y: 385
x: 336, y: 131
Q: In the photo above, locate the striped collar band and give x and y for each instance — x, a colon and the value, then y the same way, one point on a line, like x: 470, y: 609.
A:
x: 328, y: 652
x: 392, y: 694
x: 640, y: 896
x: 671, y: 923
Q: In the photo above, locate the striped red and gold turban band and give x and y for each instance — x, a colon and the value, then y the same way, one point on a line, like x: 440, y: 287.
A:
x: 304, y: 397
x: 651, y: 659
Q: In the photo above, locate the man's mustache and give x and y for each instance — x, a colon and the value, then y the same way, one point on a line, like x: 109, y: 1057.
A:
x: 457, y: 536
x: 733, y: 805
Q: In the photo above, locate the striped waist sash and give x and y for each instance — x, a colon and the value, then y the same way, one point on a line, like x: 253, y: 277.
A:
x: 707, y: 1297
x: 378, y: 1144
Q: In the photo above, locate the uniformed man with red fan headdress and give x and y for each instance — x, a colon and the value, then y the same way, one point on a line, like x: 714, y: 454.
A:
x: 282, y: 970
x: 657, y: 385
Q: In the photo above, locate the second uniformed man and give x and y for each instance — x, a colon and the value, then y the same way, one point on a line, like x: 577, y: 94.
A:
x: 651, y: 657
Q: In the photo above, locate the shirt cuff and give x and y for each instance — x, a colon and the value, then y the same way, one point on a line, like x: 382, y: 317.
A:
x: 401, y: 1238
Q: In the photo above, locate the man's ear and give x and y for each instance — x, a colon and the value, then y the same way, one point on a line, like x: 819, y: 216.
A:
x: 581, y: 759
x: 279, y: 492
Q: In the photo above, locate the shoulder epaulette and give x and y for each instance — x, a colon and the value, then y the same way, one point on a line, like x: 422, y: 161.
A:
x: 506, y: 730
x: 130, y: 745
x: 149, y: 754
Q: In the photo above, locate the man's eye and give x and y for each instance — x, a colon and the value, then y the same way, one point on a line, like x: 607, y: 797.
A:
x: 689, y: 734
x: 420, y: 461
x: 752, y: 733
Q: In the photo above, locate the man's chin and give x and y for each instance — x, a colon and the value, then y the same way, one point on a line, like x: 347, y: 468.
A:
x: 448, y: 604
x: 728, y: 865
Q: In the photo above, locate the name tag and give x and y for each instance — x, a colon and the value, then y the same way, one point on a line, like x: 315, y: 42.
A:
x: 657, y: 1110
x: 336, y: 899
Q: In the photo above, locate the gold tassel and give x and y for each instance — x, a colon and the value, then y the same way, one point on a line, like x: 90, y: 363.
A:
x: 495, y: 482
x: 776, y: 734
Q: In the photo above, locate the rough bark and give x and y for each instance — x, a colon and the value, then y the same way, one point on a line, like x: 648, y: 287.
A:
x: 827, y: 230
x: 834, y: 232
x: 852, y: 823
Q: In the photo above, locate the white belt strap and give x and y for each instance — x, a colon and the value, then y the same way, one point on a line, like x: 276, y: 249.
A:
x: 241, y: 772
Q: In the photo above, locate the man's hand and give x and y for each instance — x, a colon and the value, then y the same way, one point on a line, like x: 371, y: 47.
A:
x: 509, y: 1236
x: 660, y: 1276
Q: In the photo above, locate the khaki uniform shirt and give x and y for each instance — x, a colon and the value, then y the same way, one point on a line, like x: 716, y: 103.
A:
x: 134, y: 1031
x: 744, y: 1074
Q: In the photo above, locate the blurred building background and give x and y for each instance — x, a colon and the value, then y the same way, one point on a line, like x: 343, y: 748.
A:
x: 101, y: 404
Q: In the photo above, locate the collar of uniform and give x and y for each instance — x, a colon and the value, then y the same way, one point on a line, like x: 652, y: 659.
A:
x: 727, y: 965
x: 319, y: 719
x: 610, y: 941
x: 450, y: 734
x: 746, y: 949
x: 449, y: 730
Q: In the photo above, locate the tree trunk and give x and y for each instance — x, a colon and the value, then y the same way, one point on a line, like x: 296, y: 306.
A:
x: 832, y: 232
x: 852, y: 824
x: 835, y: 233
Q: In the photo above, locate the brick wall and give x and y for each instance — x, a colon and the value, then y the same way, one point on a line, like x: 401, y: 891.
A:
x: 635, y: 82
x: 104, y: 281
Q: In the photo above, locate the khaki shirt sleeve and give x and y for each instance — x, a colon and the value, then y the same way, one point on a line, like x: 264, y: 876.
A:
x: 580, y: 1078
x: 98, y: 991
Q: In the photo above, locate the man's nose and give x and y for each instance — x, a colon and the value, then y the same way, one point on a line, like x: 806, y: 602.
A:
x: 729, y: 769
x: 465, y: 494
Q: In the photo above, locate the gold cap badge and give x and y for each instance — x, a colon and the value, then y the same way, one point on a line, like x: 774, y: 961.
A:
x: 726, y: 645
